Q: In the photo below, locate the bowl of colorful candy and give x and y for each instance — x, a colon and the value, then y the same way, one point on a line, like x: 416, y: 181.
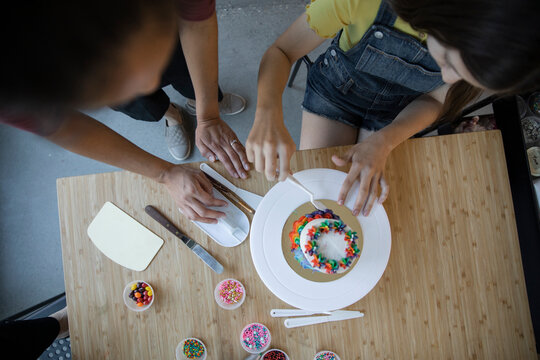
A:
x: 191, y: 348
x: 275, y: 354
x: 326, y: 355
x: 255, y: 338
x: 230, y: 294
x: 138, y: 295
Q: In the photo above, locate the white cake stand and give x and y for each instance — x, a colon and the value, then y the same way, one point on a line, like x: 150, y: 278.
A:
x: 265, y: 244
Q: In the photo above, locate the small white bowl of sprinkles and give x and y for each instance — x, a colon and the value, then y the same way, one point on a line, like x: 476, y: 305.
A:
x: 230, y: 294
x: 326, y: 355
x: 255, y: 338
x: 191, y: 348
x: 275, y: 354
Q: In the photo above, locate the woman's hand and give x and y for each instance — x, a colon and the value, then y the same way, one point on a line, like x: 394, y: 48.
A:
x: 192, y: 192
x: 269, y: 144
x: 368, y: 159
x: 216, y: 141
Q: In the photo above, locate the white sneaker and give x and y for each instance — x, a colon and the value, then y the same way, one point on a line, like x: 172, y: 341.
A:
x: 62, y: 317
x: 231, y: 104
x: 176, y: 136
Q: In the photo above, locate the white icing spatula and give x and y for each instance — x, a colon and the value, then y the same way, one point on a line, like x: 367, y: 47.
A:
x: 318, y: 205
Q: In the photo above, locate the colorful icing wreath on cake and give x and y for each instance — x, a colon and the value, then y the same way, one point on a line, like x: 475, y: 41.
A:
x: 322, y: 242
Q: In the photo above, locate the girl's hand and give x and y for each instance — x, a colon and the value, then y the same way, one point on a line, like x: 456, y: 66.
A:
x: 192, y: 192
x: 368, y: 159
x: 269, y: 144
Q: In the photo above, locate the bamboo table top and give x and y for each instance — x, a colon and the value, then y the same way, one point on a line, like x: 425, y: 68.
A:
x: 453, y: 289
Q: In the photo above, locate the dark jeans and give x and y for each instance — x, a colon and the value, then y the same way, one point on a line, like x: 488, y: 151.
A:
x: 153, y: 107
x: 27, y: 339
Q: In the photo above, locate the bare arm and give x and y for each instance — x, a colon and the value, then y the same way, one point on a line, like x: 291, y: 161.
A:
x: 200, y: 44
x: 88, y: 137
x: 369, y: 157
x: 190, y: 189
x: 269, y: 141
x: 298, y: 40
x: 213, y: 136
x: 416, y: 116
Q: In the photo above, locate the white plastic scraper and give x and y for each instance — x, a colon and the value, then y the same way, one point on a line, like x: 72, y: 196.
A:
x: 123, y: 239
x: 231, y: 230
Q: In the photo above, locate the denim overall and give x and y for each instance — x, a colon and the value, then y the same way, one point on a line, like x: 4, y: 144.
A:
x: 368, y: 85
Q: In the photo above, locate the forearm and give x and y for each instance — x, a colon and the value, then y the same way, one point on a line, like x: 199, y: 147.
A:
x: 298, y: 40
x: 416, y: 116
x: 273, y: 74
x: 200, y: 44
x: 86, y: 136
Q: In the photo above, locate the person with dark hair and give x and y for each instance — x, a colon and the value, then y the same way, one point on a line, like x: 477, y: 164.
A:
x: 63, y: 55
x: 394, y: 67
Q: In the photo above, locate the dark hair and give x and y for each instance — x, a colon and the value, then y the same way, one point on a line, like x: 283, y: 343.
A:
x: 53, y: 51
x: 498, y: 40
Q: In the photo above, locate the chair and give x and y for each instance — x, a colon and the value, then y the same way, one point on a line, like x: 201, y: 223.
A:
x: 305, y: 59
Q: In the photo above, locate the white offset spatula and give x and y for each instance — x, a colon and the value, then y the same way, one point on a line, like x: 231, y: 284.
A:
x: 318, y: 205
x: 338, y: 315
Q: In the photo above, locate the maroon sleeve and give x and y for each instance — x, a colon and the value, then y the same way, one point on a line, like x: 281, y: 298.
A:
x: 196, y: 10
x: 44, y: 124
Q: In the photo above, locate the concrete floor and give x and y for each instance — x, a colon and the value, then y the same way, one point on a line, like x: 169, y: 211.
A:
x: 30, y: 251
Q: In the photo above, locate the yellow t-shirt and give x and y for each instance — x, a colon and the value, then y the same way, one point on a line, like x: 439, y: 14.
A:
x: 327, y: 17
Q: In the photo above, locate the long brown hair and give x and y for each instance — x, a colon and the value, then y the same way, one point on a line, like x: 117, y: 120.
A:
x: 498, y: 40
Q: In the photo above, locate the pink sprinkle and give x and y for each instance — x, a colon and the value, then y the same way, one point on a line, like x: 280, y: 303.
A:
x: 255, y: 337
x: 230, y: 292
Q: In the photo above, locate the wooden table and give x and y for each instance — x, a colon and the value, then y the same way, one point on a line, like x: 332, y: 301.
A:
x: 453, y: 289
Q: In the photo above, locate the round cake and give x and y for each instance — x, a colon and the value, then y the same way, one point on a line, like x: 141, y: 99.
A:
x: 322, y: 242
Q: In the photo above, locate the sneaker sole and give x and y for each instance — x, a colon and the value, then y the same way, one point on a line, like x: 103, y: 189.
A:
x: 193, y: 112
x: 239, y: 111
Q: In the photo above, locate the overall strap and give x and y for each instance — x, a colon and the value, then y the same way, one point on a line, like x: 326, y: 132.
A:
x: 385, y: 15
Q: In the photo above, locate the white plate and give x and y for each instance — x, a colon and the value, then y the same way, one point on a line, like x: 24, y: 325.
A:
x: 265, y: 244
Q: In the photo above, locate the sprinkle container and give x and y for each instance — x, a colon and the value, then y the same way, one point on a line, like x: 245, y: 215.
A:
x: 191, y: 348
x: 230, y: 294
x: 275, y: 354
x: 133, y: 292
x: 326, y: 355
x: 531, y: 129
x: 255, y: 338
x: 534, y: 103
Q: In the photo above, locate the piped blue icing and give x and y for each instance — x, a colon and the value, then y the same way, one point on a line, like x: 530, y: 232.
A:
x: 299, y: 256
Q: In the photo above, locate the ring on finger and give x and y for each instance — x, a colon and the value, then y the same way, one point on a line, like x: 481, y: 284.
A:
x: 234, y: 142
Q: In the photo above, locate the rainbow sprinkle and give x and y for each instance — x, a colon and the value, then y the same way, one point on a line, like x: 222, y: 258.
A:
x: 327, y: 355
x: 255, y: 337
x: 230, y: 292
x: 331, y: 266
x: 299, y: 224
x: 193, y: 349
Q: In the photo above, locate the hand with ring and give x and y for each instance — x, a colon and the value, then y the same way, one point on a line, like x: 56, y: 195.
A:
x: 217, y: 141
